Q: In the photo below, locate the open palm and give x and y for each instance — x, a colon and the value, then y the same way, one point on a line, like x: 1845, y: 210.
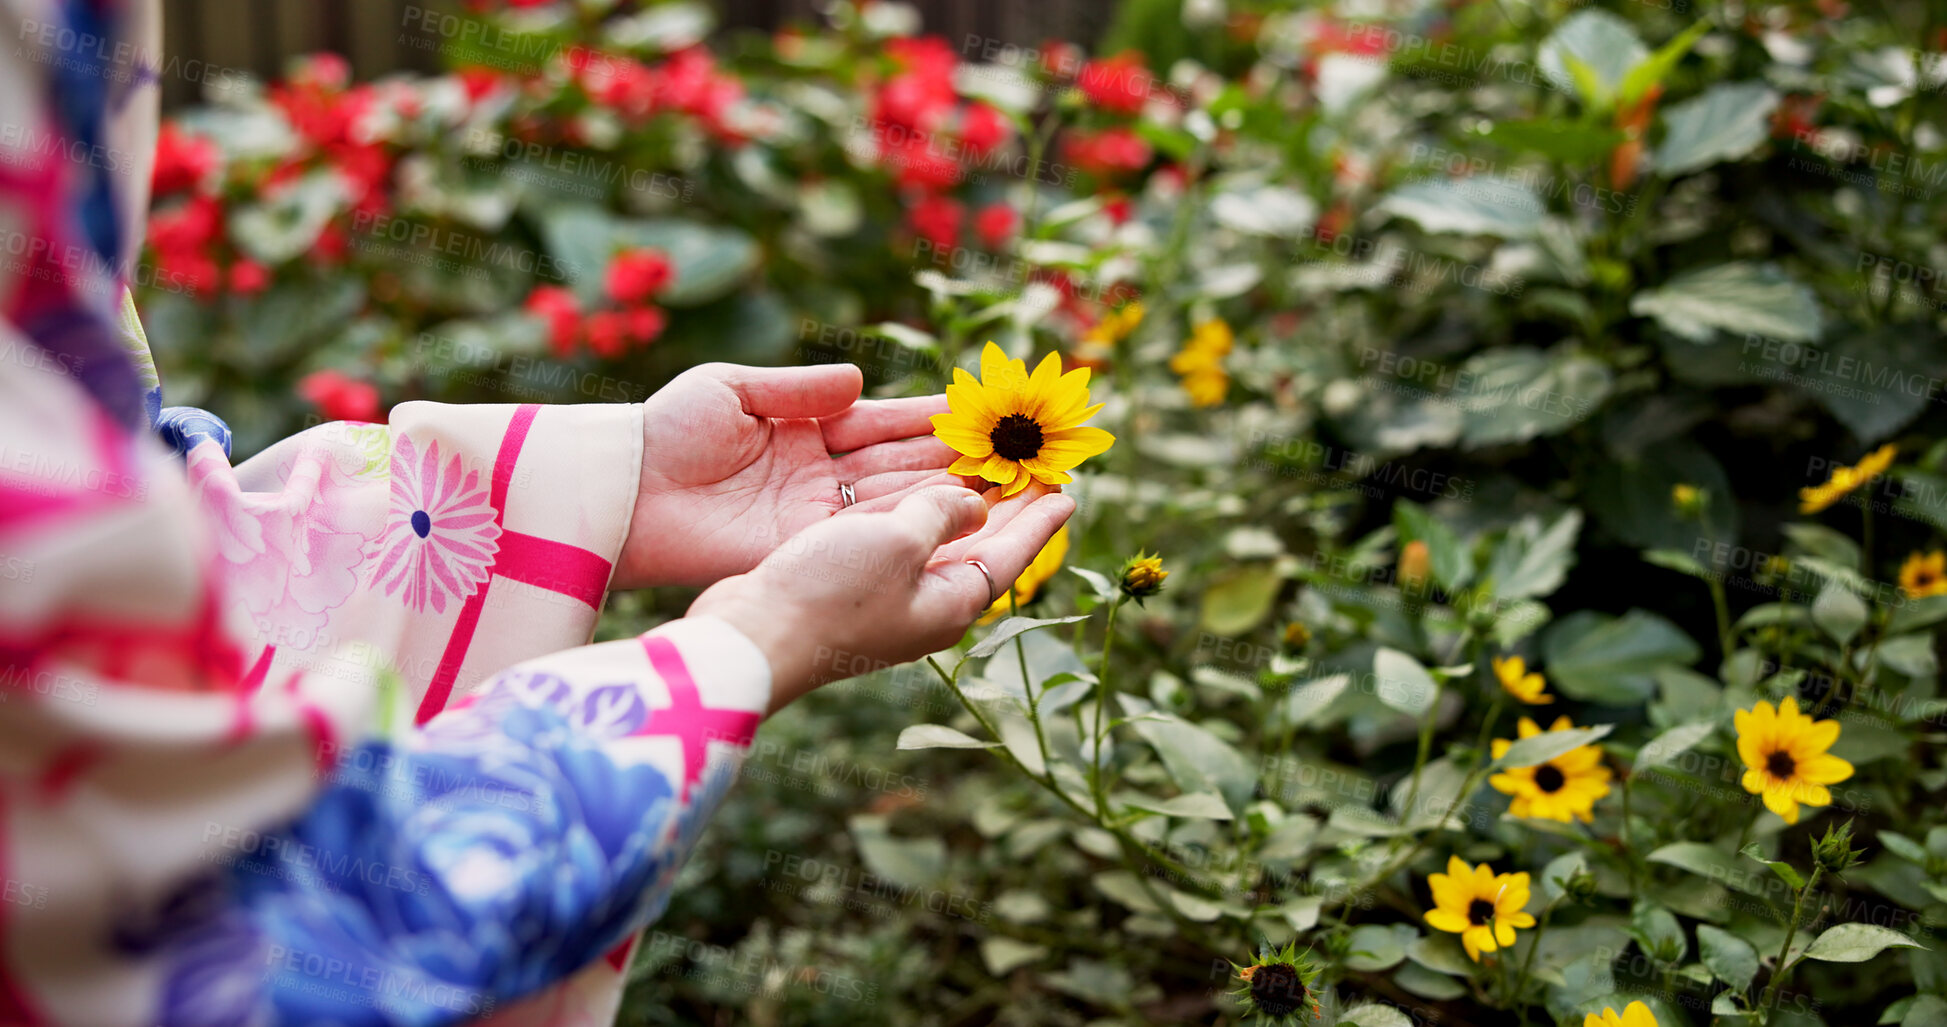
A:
x: 737, y: 459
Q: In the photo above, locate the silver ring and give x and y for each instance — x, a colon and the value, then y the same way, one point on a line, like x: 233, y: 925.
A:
x: 993, y: 594
x: 845, y: 495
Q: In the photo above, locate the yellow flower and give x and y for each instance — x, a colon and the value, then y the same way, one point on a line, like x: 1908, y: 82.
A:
x: 1845, y: 479
x: 1481, y: 906
x: 1785, y: 759
x: 1143, y: 577
x: 1200, y: 363
x: 1635, y: 1014
x: 1013, y: 428
x: 1046, y: 564
x: 1115, y: 325
x: 1517, y: 682
x: 1924, y: 575
x: 1565, y: 788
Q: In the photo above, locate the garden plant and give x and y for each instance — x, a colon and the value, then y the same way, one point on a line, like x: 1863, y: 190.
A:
x: 1509, y: 563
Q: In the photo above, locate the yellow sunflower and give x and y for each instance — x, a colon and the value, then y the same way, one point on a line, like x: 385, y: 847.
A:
x: 1200, y: 363
x: 1634, y: 1014
x: 1045, y: 565
x: 1785, y: 759
x: 1517, y: 682
x: 1481, y: 906
x: 1845, y: 479
x: 1924, y: 575
x: 1013, y: 428
x: 1565, y: 788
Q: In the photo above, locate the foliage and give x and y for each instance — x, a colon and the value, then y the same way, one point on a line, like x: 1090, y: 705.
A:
x: 1536, y: 320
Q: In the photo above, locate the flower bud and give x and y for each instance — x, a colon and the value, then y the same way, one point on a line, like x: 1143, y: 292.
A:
x: 1415, y: 564
x: 1143, y: 576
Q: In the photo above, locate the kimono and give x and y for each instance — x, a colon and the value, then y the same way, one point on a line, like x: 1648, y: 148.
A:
x: 318, y: 737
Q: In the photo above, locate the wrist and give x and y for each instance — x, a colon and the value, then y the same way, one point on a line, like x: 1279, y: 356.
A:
x: 773, y: 627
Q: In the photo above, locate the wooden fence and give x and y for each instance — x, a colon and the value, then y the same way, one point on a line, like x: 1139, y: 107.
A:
x: 378, y: 36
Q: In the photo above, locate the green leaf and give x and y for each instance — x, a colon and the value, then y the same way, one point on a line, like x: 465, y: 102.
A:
x: 1730, y: 958
x: 709, y: 260
x: 1856, y: 943
x: 1240, y: 600
x: 1571, y: 142
x: 1447, y: 557
x: 1925, y: 1011
x: 1402, y: 683
x: 1191, y: 804
x: 913, y: 862
x: 1785, y: 871
x: 1531, y: 561
x: 1611, y: 660
x: 1657, y: 67
x: 1738, y: 298
x: 1372, y: 1014
x: 1605, y: 44
x: 1710, y: 863
x: 1874, y: 382
x: 1517, y: 393
x: 939, y: 736
x: 1122, y: 886
x: 1728, y: 121
x: 1838, y: 612
x: 1197, y: 760
x: 1003, y: 954
x: 1657, y: 930
x: 1011, y: 626
x: 1478, y: 205
x: 1375, y: 947
x: 1557, y: 873
x: 1672, y: 743
x: 1539, y: 749
x: 1098, y: 582
x: 1308, y: 700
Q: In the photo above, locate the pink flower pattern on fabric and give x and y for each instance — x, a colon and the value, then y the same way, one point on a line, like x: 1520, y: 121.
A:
x: 441, y: 535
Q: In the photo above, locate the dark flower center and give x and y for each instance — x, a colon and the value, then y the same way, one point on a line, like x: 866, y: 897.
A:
x: 421, y: 524
x: 1017, y: 437
x: 1780, y: 764
x: 1277, y: 990
x: 1549, y: 779
x: 1480, y: 912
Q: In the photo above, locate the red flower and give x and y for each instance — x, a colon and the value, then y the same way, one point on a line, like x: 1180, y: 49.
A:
x: 186, y: 226
x: 189, y: 270
x: 915, y: 162
x: 340, y: 397
x: 332, y: 245
x: 182, y: 161
x: 607, y: 333
x: 635, y: 275
x: 937, y: 220
x: 995, y: 223
x: 1107, y: 152
x: 1119, y: 209
x: 920, y: 96
x: 558, y: 307
x: 1061, y: 59
x: 983, y: 128
x: 248, y: 278
x: 479, y: 83
x: 646, y: 324
x: 1119, y: 84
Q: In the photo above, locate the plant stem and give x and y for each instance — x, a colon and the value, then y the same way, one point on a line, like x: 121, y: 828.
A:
x: 1724, y: 635
x: 1534, y: 945
x: 1745, y: 835
x: 1772, y: 987
x: 1034, y: 696
x: 1096, y: 770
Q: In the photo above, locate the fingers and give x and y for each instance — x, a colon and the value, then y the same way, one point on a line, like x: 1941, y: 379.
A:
x: 932, y: 517
x: 1002, y: 513
x: 889, y: 499
x: 820, y: 391
x: 895, y: 483
x: 880, y: 420
x: 1007, y: 552
x: 921, y: 454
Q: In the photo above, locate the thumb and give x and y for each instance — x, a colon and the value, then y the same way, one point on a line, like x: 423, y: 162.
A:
x: 818, y: 391
x: 932, y: 517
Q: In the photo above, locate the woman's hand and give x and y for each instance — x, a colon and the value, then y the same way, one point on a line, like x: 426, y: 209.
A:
x: 878, y: 589
x: 737, y: 459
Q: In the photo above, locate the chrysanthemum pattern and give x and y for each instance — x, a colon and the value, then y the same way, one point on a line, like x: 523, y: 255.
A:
x: 441, y: 535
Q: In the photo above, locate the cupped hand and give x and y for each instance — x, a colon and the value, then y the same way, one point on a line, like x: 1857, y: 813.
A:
x: 737, y: 459
x: 880, y: 589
